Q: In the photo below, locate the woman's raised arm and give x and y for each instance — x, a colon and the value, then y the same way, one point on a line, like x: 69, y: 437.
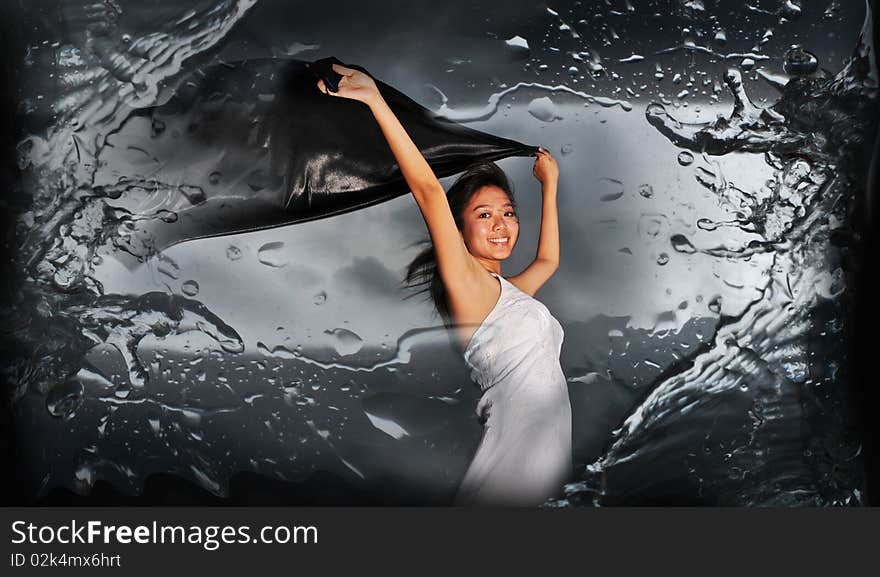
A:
x: 546, y: 261
x: 457, y: 267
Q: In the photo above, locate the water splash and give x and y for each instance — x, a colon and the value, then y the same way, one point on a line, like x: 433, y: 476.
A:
x: 759, y: 363
x: 105, y: 70
x: 491, y: 107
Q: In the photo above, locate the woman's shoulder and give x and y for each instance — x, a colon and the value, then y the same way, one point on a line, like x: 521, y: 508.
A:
x: 470, y: 277
x: 472, y: 301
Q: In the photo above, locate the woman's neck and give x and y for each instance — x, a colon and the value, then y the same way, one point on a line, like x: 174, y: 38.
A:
x: 490, y: 265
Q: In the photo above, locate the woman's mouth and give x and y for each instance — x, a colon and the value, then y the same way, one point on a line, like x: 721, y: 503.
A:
x: 500, y: 241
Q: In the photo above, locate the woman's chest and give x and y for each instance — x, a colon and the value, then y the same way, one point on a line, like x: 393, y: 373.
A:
x: 522, y: 323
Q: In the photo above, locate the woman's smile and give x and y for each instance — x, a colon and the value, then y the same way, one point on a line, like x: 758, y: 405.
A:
x: 490, y: 224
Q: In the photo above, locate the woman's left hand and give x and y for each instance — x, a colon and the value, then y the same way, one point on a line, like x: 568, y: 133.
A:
x: 545, y: 169
x: 354, y: 85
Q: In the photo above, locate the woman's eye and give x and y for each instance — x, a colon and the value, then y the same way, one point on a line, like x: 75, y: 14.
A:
x: 510, y: 213
x: 482, y: 214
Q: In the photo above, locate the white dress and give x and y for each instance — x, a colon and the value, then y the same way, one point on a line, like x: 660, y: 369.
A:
x: 524, y: 457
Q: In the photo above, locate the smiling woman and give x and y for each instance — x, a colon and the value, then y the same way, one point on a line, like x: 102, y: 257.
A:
x: 471, y: 200
x: 511, y: 342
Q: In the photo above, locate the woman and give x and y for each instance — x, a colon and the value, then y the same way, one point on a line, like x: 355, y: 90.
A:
x: 510, y: 340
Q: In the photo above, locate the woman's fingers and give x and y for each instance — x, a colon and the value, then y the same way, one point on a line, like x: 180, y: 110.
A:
x: 323, y: 88
x: 544, y: 153
x: 343, y: 70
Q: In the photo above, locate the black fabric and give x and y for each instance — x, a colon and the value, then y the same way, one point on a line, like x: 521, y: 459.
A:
x: 300, y: 154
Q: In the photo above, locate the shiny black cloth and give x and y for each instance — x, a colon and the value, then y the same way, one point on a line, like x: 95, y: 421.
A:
x: 280, y: 152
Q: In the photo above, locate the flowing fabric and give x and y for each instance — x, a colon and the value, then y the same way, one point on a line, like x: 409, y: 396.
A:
x: 254, y: 144
x: 524, y: 457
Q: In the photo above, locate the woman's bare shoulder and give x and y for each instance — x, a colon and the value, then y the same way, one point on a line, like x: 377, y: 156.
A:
x: 471, y: 300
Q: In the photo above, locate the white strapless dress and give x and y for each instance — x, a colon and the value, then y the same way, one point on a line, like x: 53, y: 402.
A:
x: 524, y: 457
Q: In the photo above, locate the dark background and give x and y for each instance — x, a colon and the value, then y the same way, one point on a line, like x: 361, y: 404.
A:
x: 356, y: 23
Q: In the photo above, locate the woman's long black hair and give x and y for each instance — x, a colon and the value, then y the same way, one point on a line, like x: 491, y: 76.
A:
x: 423, y: 271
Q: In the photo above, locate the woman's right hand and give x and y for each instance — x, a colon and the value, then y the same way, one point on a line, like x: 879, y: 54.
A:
x: 354, y: 85
x: 546, y: 169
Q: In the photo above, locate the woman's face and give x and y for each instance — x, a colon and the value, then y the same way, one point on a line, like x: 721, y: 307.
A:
x: 490, y: 224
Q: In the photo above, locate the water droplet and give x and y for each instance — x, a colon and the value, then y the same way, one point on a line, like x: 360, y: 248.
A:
x: 799, y: 62
x: 609, y: 189
x: 215, y: 177
x: 63, y: 400
x: 651, y: 226
x: 544, y: 109
x: 305, y: 400
x: 662, y: 259
x: 646, y: 190
x: 791, y: 9
x: 320, y: 298
x: 345, y: 342
x: 693, y: 7
x: 271, y: 254
x: 233, y: 252
x: 567, y: 149
x: 517, y: 42
x: 167, y: 216
x: 706, y: 224
x: 190, y: 288
x: 715, y: 305
x: 685, y: 158
x: 518, y: 48
x: 292, y: 391
x: 681, y: 244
